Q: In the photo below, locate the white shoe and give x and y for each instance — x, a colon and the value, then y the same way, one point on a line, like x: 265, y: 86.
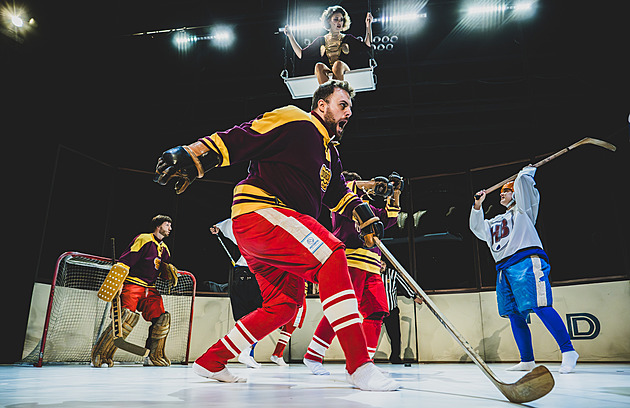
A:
x: 316, y: 367
x: 223, y: 376
x: 369, y: 378
x: 247, y: 359
x: 278, y: 360
x: 522, y: 366
x: 569, y: 361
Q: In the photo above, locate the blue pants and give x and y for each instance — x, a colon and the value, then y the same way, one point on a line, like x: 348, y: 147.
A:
x: 522, y: 288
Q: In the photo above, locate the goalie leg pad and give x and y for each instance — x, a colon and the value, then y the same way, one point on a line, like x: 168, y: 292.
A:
x: 104, y: 349
x: 157, y: 340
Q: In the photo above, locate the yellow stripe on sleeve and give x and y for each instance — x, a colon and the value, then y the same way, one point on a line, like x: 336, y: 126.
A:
x: 345, y: 200
x: 215, y: 143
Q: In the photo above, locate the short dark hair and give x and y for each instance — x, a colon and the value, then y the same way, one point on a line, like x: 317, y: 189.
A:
x: 350, y: 175
x: 327, y: 88
x: 159, y: 220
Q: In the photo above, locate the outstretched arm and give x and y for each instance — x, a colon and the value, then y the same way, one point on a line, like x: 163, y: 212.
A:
x: 296, y: 47
x: 368, y: 29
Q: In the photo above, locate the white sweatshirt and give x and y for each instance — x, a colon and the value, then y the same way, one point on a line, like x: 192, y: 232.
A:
x: 514, y: 230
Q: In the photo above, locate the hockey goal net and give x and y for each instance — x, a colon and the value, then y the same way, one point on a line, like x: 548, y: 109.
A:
x: 76, y: 317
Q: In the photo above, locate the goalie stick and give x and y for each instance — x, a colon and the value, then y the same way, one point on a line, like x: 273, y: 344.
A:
x: 117, y: 331
x: 533, y: 385
x: 586, y: 140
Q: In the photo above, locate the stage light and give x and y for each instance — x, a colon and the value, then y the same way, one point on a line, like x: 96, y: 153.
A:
x: 402, y: 18
x: 17, y: 21
x: 16, y: 24
x: 398, y: 18
x: 221, y: 37
x: 507, y: 9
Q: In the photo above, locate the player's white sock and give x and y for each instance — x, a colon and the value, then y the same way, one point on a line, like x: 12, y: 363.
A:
x: 569, y: 361
x: 278, y: 360
x: 316, y: 367
x: 246, y: 358
x: 223, y: 376
x: 369, y: 378
x: 523, y: 366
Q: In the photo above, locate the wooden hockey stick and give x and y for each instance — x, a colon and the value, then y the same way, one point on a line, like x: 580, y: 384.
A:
x: 530, y: 387
x: 119, y: 341
x: 117, y: 327
x: 586, y: 140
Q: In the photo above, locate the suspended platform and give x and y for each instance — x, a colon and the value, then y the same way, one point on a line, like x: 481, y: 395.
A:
x: 362, y: 79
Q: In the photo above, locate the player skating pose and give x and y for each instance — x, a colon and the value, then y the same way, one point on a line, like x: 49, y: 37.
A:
x: 365, y: 267
x: 294, y: 170
x: 522, y: 267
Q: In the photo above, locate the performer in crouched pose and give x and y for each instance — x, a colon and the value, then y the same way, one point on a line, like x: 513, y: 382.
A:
x: 145, y: 260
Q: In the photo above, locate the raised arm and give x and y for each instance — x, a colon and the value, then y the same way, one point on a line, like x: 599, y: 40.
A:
x: 296, y: 47
x: 368, y: 29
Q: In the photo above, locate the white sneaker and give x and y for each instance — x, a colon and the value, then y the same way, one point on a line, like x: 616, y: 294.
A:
x: 522, y: 366
x: 569, y: 361
x: 223, y: 376
x: 369, y: 378
x: 247, y: 359
x: 316, y: 367
x: 278, y: 360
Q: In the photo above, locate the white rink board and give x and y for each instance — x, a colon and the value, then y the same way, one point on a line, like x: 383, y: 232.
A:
x: 473, y: 314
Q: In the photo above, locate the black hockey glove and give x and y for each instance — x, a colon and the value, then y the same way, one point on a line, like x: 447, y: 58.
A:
x: 370, y: 226
x: 382, y: 187
x: 397, y: 181
x: 185, y: 164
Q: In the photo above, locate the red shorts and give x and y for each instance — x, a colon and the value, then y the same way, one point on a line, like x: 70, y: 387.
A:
x: 370, y: 292
x: 148, y: 301
x: 283, y: 248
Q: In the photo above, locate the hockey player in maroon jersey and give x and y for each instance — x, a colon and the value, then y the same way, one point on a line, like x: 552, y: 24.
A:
x: 365, y: 267
x: 294, y: 169
x: 146, y: 259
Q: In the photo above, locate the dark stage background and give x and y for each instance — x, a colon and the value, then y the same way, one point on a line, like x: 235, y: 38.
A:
x: 88, y: 109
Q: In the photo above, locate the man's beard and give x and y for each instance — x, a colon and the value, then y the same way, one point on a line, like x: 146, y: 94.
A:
x: 335, y: 128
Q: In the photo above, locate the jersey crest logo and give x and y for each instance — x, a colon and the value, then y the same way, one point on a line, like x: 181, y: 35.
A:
x: 500, y: 235
x: 324, y: 175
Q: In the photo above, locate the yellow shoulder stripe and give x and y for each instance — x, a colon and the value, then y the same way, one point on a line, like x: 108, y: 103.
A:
x: 141, y: 240
x: 279, y: 117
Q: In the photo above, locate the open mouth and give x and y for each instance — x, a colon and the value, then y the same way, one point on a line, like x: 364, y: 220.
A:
x: 340, y: 126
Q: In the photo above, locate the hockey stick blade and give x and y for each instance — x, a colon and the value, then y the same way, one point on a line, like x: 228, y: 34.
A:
x: 533, y: 385
x: 132, y: 348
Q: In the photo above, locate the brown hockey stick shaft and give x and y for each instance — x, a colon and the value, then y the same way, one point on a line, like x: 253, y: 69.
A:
x: 586, y: 140
x: 530, y: 387
x: 117, y: 328
x: 119, y: 341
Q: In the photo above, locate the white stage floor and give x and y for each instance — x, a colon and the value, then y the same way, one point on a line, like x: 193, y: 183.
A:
x: 423, y: 385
